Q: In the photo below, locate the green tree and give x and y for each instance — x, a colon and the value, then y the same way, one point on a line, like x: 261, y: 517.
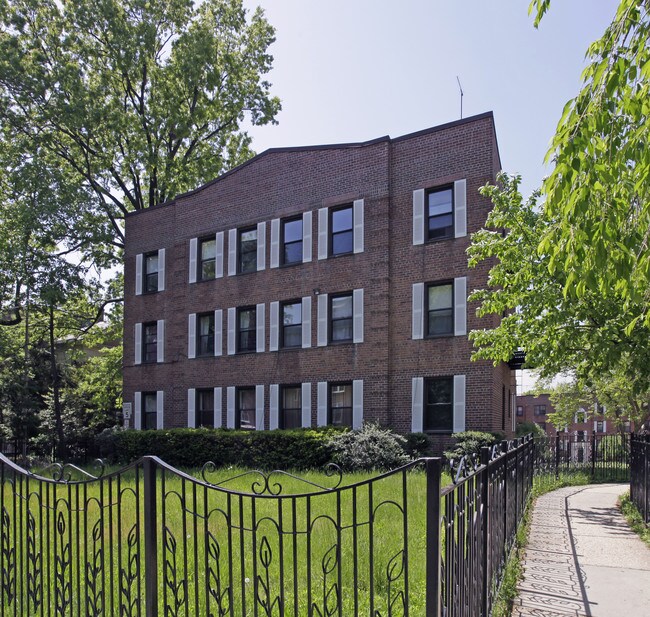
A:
x: 136, y: 101
x: 597, y: 195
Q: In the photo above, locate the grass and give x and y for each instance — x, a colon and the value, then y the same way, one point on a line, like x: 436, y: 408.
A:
x: 633, y: 517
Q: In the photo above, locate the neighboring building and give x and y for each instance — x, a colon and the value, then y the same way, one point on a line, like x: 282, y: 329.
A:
x: 319, y: 285
x: 531, y: 408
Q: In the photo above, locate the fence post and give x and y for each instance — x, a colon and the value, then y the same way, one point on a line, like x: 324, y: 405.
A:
x: 557, y: 455
x: 485, y: 499
x: 150, y: 538
x: 593, y: 454
x: 433, y: 470
x: 504, y: 449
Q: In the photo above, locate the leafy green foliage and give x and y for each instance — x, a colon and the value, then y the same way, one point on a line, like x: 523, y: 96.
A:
x: 418, y: 445
x: 471, y: 442
x: 530, y: 428
x: 370, y: 448
x: 294, y: 449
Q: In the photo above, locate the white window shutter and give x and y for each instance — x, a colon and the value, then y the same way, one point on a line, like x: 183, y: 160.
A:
x: 160, y: 409
x: 218, y: 393
x: 321, y: 336
x: 321, y: 403
x: 194, y: 243
x: 460, y: 208
x: 259, y: 334
x: 138, y: 274
x: 261, y: 246
x: 322, y: 233
x: 230, y: 407
x: 274, y: 398
x: 160, y: 345
x: 417, y: 408
x: 357, y: 321
x: 232, y: 252
x: 161, y: 270
x: 460, y: 306
x: 232, y: 317
x: 358, y: 225
x: 306, y: 322
x: 595, y: 425
x: 218, y: 258
x: 357, y: 404
x: 418, y: 216
x: 305, y: 401
x: 218, y: 332
x: 274, y: 260
x: 459, y: 403
x: 191, y: 408
x: 604, y: 426
x: 306, y: 237
x: 418, y: 311
x: 259, y: 408
x: 274, y: 318
x: 191, y: 336
x: 138, y: 343
x: 137, y: 410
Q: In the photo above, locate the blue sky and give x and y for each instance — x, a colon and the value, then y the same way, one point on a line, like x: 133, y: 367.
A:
x: 353, y: 70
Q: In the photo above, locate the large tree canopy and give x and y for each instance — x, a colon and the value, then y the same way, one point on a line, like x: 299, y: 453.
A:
x: 135, y: 100
x: 597, y: 194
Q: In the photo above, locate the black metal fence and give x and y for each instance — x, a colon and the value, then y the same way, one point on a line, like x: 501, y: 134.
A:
x: 640, y: 474
x: 597, y: 456
x: 150, y: 540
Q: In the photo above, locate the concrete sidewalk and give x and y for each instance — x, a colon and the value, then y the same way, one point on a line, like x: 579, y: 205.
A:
x: 582, y: 559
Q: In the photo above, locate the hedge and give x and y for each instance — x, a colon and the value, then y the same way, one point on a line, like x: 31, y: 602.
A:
x: 298, y: 449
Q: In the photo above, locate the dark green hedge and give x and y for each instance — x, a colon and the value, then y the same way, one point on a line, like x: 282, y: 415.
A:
x: 293, y: 449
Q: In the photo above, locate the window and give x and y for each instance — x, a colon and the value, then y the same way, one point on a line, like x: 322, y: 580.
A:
x: 245, y: 417
x: 340, y: 405
x: 440, y: 220
x: 580, y: 417
x: 205, y: 334
x: 440, y: 317
x: 600, y: 426
x: 341, y: 234
x: 207, y: 258
x: 205, y: 407
x: 539, y: 410
x: 150, y: 342
x: 149, y: 410
x: 151, y: 272
x: 341, y: 318
x: 581, y: 436
x: 438, y: 405
x: 246, y: 329
x: 248, y: 250
x: 291, y: 407
x: 627, y: 427
x: 520, y: 410
x: 292, y: 241
x: 292, y: 324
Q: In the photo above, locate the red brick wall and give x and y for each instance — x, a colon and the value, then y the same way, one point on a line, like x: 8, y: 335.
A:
x: 281, y: 183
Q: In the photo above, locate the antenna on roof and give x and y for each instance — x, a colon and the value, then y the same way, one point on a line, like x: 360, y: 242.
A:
x: 461, y: 97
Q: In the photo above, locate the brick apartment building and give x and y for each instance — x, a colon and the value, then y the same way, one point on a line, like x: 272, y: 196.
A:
x: 536, y: 408
x: 318, y: 285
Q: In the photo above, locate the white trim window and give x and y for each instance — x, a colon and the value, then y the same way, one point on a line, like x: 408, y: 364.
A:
x: 149, y: 410
x: 150, y: 272
x: 440, y: 213
x: 340, y: 318
x: 440, y: 309
x: 438, y: 404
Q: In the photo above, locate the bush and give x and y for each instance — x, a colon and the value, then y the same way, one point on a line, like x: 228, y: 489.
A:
x: 471, y: 442
x: 418, y: 445
x: 370, y: 449
x: 527, y: 428
x: 297, y: 449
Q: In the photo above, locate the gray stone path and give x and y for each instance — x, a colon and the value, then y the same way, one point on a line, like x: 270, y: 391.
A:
x: 582, y: 559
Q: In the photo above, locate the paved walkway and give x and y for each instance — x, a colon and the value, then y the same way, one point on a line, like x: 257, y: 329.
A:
x: 582, y: 558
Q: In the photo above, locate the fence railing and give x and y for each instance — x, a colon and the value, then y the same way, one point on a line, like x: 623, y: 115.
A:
x: 150, y: 540
x: 598, y: 456
x: 640, y: 474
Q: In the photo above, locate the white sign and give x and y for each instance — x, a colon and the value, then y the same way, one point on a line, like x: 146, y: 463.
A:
x: 126, y: 411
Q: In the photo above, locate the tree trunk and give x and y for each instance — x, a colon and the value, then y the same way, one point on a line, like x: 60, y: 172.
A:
x: 58, y: 422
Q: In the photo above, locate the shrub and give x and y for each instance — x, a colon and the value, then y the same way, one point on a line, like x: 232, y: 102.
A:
x: 471, y: 442
x: 369, y: 449
x: 297, y: 449
x: 527, y: 428
x: 418, y: 445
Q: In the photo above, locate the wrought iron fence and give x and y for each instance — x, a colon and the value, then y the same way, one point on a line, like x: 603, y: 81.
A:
x: 640, y: 474
x: 600, y: 457
x: 150, y: 540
